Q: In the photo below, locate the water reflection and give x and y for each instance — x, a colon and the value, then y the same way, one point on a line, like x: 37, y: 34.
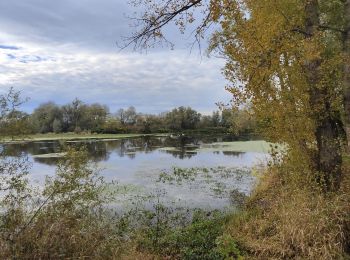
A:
x: 101, y: 150
x: 232, y: 153
x: 138, y: 162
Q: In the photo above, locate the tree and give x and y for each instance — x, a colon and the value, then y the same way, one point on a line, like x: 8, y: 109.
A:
x: 72, y: 114
x: 290, y: 58
x: 243, y: 122
x: 45, y: 115
x: 57, y: 126
x: 216, y: 118
x: 325, y: 114
x: 112, y: 126
x: 93, y: 117
x: 346, y: 65
x: 206, y: 121
x: 226, y: 117
x: 183, y: 118
x: 121, y: 116
x: 128, y: 116
x: 13, y: 122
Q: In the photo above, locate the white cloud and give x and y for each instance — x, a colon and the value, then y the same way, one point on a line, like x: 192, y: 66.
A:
x: 70, y: 52
x: 152, y: 82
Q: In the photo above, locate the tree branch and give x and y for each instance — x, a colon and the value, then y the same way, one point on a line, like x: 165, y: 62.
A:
x: 152, y: 24
x: 330, y: 28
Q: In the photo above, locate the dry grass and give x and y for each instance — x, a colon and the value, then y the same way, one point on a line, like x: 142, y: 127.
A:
x: 285, y: 221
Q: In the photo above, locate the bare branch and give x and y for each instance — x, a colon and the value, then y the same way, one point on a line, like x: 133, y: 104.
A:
x: 330, y: 28
x: 152, y: 23
x: 298, y: 30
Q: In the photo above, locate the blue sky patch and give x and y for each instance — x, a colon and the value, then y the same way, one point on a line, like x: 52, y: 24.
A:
x: 8, y: 47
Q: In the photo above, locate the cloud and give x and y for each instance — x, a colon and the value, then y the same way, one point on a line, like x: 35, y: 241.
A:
x: 59, y: 50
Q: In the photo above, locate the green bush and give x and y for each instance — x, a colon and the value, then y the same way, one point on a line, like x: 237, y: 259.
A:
x: 195, y: 240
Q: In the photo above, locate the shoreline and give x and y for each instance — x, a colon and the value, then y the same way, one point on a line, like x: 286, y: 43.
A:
x: 72, y: 136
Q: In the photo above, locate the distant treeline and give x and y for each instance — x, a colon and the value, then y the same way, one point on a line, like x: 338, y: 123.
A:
x: 79, y: 117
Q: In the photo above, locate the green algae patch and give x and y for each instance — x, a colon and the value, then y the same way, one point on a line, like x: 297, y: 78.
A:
x: 73, y: 136
x: 49, y: 155
x: 241, y: 146
x: 169, y: 149
x: 238, y: 146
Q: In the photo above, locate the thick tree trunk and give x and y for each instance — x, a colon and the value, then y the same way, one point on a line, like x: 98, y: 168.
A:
x: 346, y: 49
x: 328, y: 159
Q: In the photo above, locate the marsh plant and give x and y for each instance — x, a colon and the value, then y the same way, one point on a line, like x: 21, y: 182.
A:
x: 179, y: 175
x: 220, y: 180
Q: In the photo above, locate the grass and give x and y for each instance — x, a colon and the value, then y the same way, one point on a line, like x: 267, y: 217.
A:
x: 286, y: 221
x: 71, y: 136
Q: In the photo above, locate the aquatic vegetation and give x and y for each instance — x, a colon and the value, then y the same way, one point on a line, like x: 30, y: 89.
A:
x: 218, y: 180
x: 240, y: 146
x: 207, y: 189
x: 237, y: 146
x: 119, y: 189
x: 178, y: 175
x: 169, y: 149
x: 74, y: 136
x: 49, y: 155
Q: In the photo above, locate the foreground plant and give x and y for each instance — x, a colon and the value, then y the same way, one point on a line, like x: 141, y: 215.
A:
x: 66, y: 219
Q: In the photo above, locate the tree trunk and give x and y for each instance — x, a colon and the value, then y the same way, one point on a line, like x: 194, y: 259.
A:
x: 328, y: 158
x: 346, y: 49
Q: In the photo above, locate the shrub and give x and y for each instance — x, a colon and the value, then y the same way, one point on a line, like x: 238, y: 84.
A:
x: 194, y: 240
x: 66, y: 220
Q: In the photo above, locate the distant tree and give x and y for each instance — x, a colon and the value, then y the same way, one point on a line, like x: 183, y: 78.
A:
x: 13, y: 122
x: 128, y: 116
x: 112, y: 126
x: 243, y: 122
x: 183, y: 118
x: 44, y: 116
x: 206, y: 121
x: 216, y: 118
x: 226, y: 117
x: 145, y: 125
x: 121, y: 115
x: 72, y: 114
x: 57, y: 126
x: 93, y: 117
x: 173, y: 120
x: 191, y: 119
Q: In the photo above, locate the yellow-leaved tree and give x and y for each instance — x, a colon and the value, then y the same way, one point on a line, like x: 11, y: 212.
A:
x: 288, y: 59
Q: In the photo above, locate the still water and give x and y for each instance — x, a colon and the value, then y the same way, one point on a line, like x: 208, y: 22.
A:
x: 138, y: 164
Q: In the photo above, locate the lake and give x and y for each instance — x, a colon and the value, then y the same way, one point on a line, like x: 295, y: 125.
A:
x: 193, y: 172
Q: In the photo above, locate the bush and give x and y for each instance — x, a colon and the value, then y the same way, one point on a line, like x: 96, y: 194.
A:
x: 194, y: 240
x: 66, y: 220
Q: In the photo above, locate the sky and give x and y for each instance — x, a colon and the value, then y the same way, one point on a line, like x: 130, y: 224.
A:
x: 59, y: 50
